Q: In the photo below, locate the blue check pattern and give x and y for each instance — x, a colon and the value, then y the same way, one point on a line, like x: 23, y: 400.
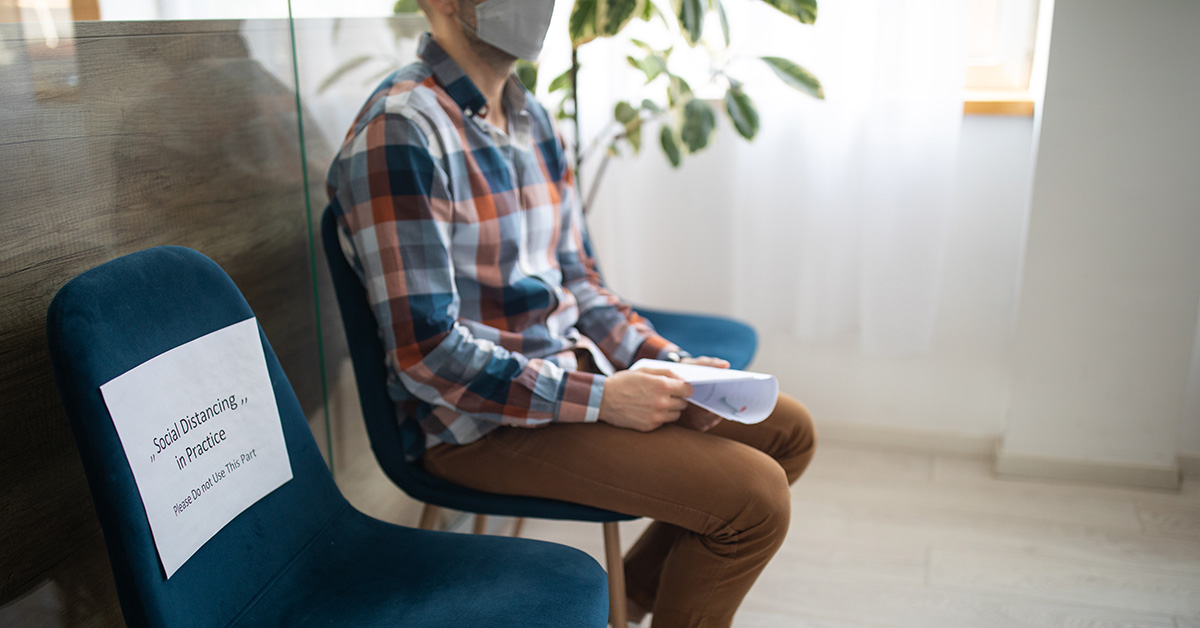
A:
x: 471, y: 244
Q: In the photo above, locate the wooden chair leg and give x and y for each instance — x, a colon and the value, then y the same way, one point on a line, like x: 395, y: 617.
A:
x: 616, y: 575
x: 518, y: 526
x: 429, y: 517
x: 480, y: 524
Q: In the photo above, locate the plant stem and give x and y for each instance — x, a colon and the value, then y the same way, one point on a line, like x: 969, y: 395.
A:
x: 599, y: 142
x: 575, y: 118
x: 596, y: 185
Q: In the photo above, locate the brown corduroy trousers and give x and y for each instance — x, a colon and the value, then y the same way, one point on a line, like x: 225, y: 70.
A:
x: 719, y: 499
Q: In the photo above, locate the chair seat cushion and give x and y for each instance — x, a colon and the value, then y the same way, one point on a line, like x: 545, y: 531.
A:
x: 702, y: 334
x: 363, y: 572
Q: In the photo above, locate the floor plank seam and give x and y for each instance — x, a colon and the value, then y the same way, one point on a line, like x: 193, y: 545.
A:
x: 1085, y: 562
x: 1167, y: 615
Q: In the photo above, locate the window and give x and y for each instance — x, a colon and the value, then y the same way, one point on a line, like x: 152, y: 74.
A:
x: 1000, y: 47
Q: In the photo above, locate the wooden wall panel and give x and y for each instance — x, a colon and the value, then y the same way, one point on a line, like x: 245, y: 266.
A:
x: 146, y: 134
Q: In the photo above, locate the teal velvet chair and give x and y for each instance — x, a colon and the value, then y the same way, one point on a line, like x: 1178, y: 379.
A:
x: 391, y: 438
x: 300, y: 556
x: 705, y: 334
x: 701, y: 334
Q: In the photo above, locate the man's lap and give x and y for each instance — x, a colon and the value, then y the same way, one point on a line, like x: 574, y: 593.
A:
x: 699, y: 481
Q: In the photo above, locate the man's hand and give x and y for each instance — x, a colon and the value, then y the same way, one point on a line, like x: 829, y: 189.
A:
x: 706, y: 361
x: 643, y: 400
x: 694, y: 417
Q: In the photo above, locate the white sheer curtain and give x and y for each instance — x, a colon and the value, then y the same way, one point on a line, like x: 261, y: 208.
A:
x: 843, y: 205
x: 834, y: 218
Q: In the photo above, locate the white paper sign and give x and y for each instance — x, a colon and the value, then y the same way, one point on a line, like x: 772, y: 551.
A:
x: 741, y: 396
x: 202, y: 435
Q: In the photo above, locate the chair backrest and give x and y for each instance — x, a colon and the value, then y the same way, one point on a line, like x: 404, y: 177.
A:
x: 113, y: 318
x: 389, y: 437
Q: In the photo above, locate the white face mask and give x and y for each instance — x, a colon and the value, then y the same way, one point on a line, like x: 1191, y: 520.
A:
x: 517, y: 27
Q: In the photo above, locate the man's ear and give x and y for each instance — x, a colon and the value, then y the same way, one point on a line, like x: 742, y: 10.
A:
x: 444, y: 7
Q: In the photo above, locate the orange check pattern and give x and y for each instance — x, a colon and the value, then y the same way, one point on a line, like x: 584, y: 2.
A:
x: 470, y: 242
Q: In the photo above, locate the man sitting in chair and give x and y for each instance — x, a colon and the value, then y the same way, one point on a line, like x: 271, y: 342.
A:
x: 456, y: 207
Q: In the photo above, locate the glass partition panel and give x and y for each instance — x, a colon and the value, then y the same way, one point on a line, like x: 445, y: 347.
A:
x: 340, y: 60
x: 118, y: 135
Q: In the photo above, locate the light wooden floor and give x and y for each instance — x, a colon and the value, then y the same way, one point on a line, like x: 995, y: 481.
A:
x: 894, y: 539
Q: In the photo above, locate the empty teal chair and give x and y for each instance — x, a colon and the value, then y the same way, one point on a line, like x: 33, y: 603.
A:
x: 701, y: 334
x: 300, y: 556
x: 705, y: 334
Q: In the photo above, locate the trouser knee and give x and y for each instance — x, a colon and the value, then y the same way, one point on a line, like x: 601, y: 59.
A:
x: 764, y: 497
x: 800, y: 435
x: 776, y: 504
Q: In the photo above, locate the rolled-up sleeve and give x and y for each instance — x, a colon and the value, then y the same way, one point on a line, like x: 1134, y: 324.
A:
x: 398, y: 217
x: 621, y: 333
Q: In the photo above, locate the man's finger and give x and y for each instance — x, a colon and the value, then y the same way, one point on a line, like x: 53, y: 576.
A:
x: 677, y: 404
x: 676, y: 385
x: 680, y: 388
x: 709, y: 361
x: 660, y: 373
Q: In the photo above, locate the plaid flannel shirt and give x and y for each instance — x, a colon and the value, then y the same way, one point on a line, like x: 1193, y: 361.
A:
x: 471, y: 244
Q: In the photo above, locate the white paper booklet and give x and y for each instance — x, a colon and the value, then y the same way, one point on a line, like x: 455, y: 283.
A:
x: 740, y: 396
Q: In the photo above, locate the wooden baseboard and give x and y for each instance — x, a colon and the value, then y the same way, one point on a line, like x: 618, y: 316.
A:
x: 905, y: 439
x: 1148, y: 476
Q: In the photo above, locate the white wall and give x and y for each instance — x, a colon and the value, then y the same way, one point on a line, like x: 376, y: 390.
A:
x: 678, y: 220
x: 1108, y: 305
x: 1189, y: 421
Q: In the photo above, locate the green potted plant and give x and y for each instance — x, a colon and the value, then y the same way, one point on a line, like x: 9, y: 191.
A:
x: 685, y: 120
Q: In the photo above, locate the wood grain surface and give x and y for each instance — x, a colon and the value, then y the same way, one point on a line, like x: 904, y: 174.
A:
x: 121, y: 139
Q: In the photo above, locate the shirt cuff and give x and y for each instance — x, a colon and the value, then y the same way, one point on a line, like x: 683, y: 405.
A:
x: 579, y: 397
x: 657, y: 348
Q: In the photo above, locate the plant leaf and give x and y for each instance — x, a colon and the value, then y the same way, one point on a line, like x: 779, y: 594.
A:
x: 648, y: 11
x: 652, y: 66
x: 651, y: 11
x: 527, y: 73
x: 341, y: 71
x: 620, y: 12
x: 624, y: 112
x: 634, y: 136
x: 803, y: 10
x: 561, y: 81
x: 582, y: 25
x: 796, y: 76
x: 405, y: 6
x: 670, y: 145
x: 651, y: 106
x: 678, y: 90
x: 699, y: 120
x: 601, y: 18
x: 724, y: 20
x: 741, y: 111
x: 691, y: 19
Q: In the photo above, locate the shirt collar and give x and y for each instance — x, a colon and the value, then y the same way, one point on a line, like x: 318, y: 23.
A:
x: 459, y: 86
